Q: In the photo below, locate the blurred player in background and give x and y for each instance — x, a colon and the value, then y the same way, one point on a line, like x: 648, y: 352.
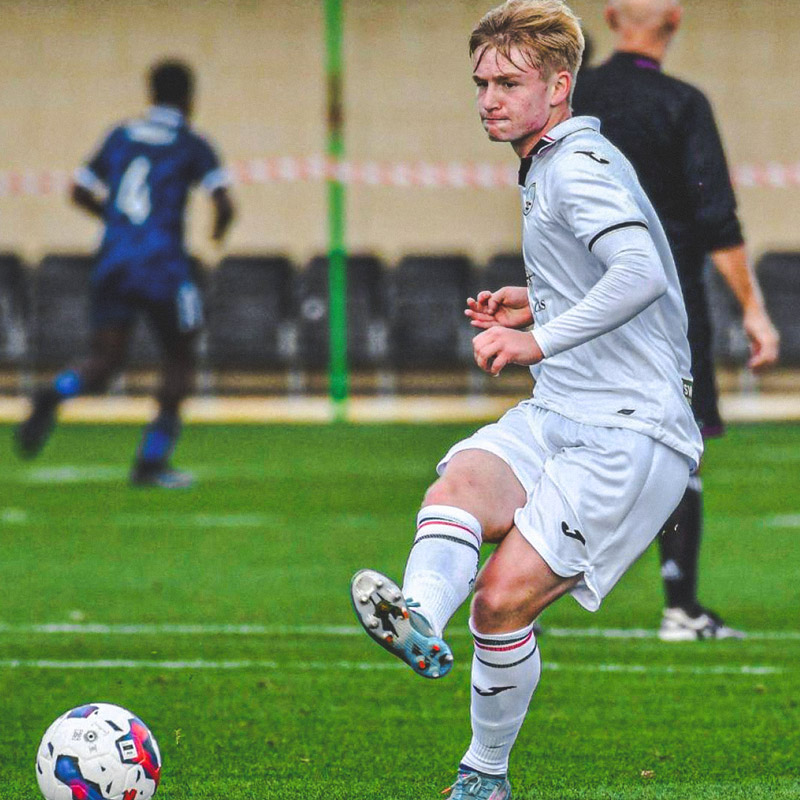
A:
x: 138, y: 183
x: 667, y: 130
x: 573, y: 484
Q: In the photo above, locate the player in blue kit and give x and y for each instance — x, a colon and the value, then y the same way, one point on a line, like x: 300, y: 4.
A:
x: 138, y: 183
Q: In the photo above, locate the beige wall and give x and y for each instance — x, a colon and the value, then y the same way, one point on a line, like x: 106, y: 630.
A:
x: 70, y: 68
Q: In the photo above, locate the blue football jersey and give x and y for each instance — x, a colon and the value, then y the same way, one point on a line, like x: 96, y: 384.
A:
x: 146, y: 168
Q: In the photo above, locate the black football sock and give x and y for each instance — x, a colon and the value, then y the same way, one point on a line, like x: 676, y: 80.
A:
x: 679, y: 549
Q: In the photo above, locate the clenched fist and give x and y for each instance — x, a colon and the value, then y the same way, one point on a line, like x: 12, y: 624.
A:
x: 497, y: 347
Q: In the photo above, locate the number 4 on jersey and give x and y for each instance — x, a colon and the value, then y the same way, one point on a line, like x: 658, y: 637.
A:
x: 133, y: 197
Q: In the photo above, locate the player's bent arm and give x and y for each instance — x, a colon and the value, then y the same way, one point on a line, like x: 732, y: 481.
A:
x: 84, y: 198
x: 634, y: 279
x: 224, y: 212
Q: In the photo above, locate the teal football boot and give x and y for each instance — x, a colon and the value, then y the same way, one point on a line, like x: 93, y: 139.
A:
x: 390, y: 619
x: 476, y: 786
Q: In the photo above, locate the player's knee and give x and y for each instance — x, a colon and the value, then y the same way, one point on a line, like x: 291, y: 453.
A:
x: 459, y: 486
x: 460, y: 491
x: 492, y: 605
x: 444, y: 492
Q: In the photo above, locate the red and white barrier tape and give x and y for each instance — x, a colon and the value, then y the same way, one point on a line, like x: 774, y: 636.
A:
x: 33, y: 183
x: 420, y: 174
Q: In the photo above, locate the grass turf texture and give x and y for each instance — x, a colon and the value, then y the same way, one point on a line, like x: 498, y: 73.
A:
x: 280, y: 520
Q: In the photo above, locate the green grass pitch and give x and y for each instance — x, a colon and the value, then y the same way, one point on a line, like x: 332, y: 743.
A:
x: 221, y: 616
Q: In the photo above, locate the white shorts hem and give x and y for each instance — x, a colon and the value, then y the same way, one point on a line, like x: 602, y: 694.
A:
x: 465, y: 445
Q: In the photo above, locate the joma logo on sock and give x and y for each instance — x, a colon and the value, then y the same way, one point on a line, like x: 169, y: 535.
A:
x: 493, y: 691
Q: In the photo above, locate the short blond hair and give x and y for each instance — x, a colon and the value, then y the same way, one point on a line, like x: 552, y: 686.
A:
x: 546, y: 32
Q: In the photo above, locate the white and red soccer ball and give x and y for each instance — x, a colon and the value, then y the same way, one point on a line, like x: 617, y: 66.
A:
x: 98, y: 752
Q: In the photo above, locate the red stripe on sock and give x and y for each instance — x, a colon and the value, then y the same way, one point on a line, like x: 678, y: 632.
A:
x: 450, y: 524
x: 504, y: 648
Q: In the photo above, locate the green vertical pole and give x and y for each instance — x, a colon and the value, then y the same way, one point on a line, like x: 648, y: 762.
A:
x: 337, y: 253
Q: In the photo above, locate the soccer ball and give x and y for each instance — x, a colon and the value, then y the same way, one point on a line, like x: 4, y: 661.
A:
x: 98, y: 752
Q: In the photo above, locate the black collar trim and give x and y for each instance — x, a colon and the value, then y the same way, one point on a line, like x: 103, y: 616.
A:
x: 525, y: 163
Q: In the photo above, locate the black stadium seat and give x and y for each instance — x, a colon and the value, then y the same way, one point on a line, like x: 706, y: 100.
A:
x: 779, y: 276
x: 503, y: 269
x: 366, y: 313
x: 428, y: 327
x: 249, y: 308
x: 60, y: 326
x: 14, y: 307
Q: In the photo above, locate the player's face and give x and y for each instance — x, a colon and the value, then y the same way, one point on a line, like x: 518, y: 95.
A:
x: 515, y: 103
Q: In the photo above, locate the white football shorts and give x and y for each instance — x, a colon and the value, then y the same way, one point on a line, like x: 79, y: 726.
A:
x: 596, y: 497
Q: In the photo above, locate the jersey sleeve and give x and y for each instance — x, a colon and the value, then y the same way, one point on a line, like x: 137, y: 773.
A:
x: 589, y: 200
x: 706, y: 173
x: 602, y: 213
x: 206, y: 167
x: 94, y: 174
x: 634, y: 278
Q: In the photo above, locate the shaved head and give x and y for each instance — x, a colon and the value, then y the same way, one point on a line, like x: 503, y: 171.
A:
x: 642, y: 13
x: 644, y: 26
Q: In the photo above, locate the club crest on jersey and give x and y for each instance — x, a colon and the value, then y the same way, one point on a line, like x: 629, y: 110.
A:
x: 527, y: 199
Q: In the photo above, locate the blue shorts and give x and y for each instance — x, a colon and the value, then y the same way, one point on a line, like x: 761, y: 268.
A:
x: 116, y: 300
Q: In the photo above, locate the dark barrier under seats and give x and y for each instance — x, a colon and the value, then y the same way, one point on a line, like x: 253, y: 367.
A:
x: 366, y: 312
x: 14, y: 308
x: 249, y: 307
x: 779, y: 276
x: 60, y: 324
x: 427, y: 323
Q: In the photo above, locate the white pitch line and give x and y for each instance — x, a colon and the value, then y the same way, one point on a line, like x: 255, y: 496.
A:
x: 204, y: 629
x: 784, y: 521
x: 13, y: 516
x: 69, y: 474
x: 368, y: 666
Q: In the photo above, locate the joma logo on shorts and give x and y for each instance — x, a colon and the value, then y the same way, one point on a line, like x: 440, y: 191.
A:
x: 576, y: 534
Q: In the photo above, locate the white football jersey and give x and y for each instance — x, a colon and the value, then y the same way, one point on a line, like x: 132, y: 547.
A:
x: 586, y: 218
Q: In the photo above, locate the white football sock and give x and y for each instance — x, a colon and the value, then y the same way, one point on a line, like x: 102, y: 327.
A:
x: 505, y: 671
x: 443, y: 562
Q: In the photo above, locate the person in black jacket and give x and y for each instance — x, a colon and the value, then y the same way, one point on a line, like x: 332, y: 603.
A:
x: 666, y: 128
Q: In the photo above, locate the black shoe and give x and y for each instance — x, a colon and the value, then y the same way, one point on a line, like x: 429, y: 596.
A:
x: 32, y: 434
x: 161, y: 477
